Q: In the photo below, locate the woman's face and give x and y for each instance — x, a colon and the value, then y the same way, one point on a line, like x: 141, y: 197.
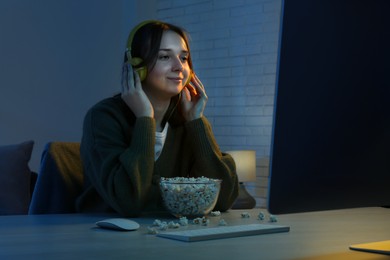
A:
x: 171, y: 71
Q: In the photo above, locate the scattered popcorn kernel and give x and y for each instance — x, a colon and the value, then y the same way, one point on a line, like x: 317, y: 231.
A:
x: 222, y: 222
x: 172, y: 224
x: 163, y: 226
x: 156, y: 222
x: 183, y: 221
x: 197, y: 221
x: 272, y: 218
x: 245, y: 215
x: 204, y: 221
x: 152, y: 230
x: 215, y: 213
x: 261, y: 216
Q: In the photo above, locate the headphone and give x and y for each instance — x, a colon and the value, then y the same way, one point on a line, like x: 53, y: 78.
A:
x: 135, y: 61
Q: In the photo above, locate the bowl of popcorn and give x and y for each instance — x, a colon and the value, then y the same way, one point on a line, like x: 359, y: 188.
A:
x: 190, y: 197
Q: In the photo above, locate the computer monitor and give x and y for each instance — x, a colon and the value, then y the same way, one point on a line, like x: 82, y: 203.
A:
x: 331, y: 131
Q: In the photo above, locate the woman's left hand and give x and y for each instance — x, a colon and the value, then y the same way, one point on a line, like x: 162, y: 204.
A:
x: 193, y: 99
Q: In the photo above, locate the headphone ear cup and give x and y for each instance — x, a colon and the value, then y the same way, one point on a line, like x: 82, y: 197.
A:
x: 135, y: 61
x: 142, y: 71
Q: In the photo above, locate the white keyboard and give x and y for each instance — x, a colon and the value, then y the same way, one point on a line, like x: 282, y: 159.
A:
x: 223, y: 232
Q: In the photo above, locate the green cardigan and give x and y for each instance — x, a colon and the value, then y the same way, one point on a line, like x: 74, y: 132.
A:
x: 121, y: 174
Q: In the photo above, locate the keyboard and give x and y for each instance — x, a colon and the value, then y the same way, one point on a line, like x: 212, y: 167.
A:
x: 219, y: 232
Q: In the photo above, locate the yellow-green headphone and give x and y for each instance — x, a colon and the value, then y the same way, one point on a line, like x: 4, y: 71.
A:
x: 135, y: 61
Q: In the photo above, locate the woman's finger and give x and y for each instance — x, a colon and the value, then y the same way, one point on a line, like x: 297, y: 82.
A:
x: 187, y: 95
x: 192, y: 89
x: 124, y: 77
x: 130, y: 77
x: 201, y: 92
x: 197, y: 80
x: 136, y: 79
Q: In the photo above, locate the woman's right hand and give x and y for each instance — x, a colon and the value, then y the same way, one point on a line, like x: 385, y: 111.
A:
x: 133, y: 94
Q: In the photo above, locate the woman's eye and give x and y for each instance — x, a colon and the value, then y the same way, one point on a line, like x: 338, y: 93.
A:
x: 163, y: 57
x: 184, y: 58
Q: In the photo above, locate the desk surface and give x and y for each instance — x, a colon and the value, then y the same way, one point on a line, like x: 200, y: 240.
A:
x: 316, y: 235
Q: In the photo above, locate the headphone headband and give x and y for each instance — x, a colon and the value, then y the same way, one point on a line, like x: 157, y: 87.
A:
x: 132, y: 34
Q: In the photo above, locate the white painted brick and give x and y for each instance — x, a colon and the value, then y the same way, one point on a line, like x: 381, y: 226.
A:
x: 229, y: 121
x: 272, y: 6
x: 232, y: 62
x: 233, y: 81
x: 171, y: 13
x: 269, y: 89
x: 195, y: 7
x: 234, y: 49
x: 269, y: 68
x: 240, y: 131
x: 214, y: 53
x: 217, y: 16
x: 231, y: 42
x: 264, y: 141
x: 231, y: 141
x: 164, y: 4
x: 228, y: 4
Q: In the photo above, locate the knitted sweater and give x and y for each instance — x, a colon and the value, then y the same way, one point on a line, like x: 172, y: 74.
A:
x: 121, y: 175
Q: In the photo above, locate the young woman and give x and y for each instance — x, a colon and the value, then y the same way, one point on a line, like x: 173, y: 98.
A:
x: 154, y: 128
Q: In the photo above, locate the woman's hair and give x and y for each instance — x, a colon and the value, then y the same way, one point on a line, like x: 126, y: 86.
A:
x: 147, y: 40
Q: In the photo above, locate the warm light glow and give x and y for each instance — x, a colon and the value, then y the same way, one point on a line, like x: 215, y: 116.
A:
x: 245, y: 164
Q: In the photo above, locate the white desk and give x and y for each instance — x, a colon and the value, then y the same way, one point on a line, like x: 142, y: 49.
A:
x: 319, y: 235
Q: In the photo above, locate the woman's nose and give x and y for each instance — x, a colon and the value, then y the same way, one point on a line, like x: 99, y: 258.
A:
x: 177, y: 65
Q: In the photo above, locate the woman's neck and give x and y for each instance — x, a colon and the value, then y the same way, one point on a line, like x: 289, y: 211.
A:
x: 160, y: 108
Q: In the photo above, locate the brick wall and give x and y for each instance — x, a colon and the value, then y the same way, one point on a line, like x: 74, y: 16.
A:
x: 234, y: 49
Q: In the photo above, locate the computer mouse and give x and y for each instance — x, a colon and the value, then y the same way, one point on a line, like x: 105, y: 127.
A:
x: 122, y: 224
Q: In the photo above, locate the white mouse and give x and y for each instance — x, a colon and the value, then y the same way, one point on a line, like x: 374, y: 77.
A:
x: 122, y: 224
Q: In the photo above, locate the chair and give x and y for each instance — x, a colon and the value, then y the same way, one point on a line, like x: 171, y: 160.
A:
x: 60, y: 180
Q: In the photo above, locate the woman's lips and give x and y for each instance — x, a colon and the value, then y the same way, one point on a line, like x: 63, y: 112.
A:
x: 178, y: 79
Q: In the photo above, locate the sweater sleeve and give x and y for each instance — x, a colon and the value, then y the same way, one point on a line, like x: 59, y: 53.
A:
x: 119, y: 158
x: 210, y: 162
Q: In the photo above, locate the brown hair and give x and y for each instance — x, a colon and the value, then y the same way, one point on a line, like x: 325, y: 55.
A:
x: 146, y: 41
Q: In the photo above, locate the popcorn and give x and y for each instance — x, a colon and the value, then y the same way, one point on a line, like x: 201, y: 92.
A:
x: 189, y: 196
x: 245, y: 215
x: 215, y: 213
x: 183, y: 221
x: 205, y: 221
x: 222, y: 222
x: 261, y: 216
x: 157, y: 222
x: 152, y: 230
x: 172, y: 224
x: 196, y: 221
x: 161, y: 225
x: 272, y: 218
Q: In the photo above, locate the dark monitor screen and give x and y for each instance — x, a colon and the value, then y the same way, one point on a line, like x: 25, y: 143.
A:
x: 331, y: 134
